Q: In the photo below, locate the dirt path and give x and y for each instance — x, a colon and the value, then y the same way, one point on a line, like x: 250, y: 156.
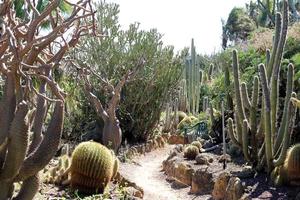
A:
x: 146, y: 172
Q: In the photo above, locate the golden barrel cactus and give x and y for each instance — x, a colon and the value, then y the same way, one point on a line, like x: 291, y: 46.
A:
x: 292, y: 164
x: 92, y: 167
x: 190, y: 152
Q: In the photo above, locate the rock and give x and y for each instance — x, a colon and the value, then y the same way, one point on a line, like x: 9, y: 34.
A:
x: 176, y: 139
x: 201, y: 159
x: 134, y: 192
x: 172, y: 154
x: 179, y: 148
x: 220, y: 186
x: 169, y: 165
x: 245, y: 172
x: 234, y: 190
x: 225, y: 157
x: 177, y: 185
x: 183, y: 173
x: 170, y: 179
x: 202, y: 182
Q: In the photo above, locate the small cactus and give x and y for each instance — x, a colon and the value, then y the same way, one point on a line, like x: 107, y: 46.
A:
x: 190, y: 152
x: 197, y: 144
x: 92, y: 167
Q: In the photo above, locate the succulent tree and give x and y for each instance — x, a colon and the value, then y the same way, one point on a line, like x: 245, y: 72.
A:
x: 111, y: 133
x: 272, y: 150
x: 27, y: 61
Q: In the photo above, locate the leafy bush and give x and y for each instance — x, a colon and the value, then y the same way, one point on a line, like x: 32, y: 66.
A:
x: 118, y: 51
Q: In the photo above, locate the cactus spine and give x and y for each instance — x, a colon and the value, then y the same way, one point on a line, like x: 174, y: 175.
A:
x: 276, y: 140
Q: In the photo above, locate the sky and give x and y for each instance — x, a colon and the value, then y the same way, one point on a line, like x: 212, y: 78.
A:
x: 179, y: 20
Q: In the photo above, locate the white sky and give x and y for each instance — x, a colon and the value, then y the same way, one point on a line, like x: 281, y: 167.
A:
x: 180, y: 20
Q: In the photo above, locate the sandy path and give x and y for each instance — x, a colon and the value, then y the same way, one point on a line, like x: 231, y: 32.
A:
x: 146, y: 173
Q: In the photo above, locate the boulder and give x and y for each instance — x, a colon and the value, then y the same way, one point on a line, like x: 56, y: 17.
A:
x: 183, y: 173
x: 202, y: 159
x: 235, y: 189
x: 202, y: 181
x: 220, y: 186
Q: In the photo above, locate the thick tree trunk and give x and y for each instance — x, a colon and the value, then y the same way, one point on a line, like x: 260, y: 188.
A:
x: 112, y: 134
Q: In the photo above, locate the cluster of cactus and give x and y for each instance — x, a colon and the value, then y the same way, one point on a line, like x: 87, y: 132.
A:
x: 58, y: 174
x: 191, y: 83
x: 93, y: 167
x: 190, y: 152
x: 21, y: 160
x: 272, y: 151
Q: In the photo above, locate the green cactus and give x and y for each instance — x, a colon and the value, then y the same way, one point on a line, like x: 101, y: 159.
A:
x: 197, y: 144
x: 193, y: 78
x: 210, y: 71
x: 190, y: 152
x: 116, y: 167
x: 289, y: 172
x: 21, y: 164
x: 276, y: 139
x: 91, y: 168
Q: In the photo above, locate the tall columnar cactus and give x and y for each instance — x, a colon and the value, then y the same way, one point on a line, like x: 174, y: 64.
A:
x: 193, y: 77
x: 276, y: 139
x: 210, y: 71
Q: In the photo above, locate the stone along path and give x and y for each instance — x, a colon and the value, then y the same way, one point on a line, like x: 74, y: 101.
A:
x: 146, y: 172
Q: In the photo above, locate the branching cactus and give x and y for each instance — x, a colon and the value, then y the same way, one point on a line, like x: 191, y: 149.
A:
x: 27, y: 61
x: 276, y: 135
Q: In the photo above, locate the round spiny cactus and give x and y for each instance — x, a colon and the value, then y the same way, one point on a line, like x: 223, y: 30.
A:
x: 190, y: 152
x: 116, y: 167
x: 197, y: 144
x: 91, y: 167
x: 292, y: 163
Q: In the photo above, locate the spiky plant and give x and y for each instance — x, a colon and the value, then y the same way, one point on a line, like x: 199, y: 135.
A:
x: 92, y: 167
x: 272, y: 151
x: 190, y: 152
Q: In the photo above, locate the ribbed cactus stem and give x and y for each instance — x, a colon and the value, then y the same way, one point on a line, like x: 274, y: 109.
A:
x: 268, y: 57
x: 231, y: 133
x: 47, y: 148
x: 245, y: 131
x: 276, y: 69
x: 290, y: 119
x: 289, y: 90
x: 253, y: 118
x: 211, y: 111
x: 267, y: 116
x: 239, y: 103
x: 275, y: 44
x: 29, y: 188
x: 17, y: 146
x: 200, y: 76
x: 210, y: 71
x: 245, y: 96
